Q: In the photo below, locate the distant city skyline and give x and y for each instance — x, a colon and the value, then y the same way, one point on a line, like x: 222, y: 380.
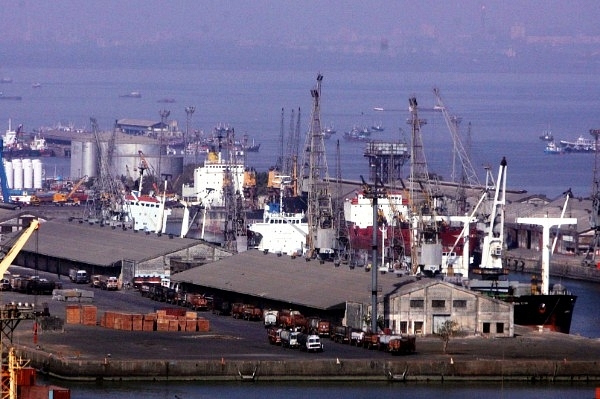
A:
x: 518, y: 30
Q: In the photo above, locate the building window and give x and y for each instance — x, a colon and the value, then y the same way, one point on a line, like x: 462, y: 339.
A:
x: 438, y: 303
x: 418, y: 327
x: 403, y: 327
x: 486, y: 328
x: 417, y: 303
x: 500, y: 328
x: 459, y: 303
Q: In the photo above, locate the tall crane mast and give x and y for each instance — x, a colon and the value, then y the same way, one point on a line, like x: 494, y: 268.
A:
x: 321, y: 229
x: 106, y: 201
x: 470, y: 176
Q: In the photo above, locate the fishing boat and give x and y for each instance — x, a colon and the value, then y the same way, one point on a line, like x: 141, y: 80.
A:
x: 553, y: 148
x: 377, y: 127
x: 536, y: 304
x: 131, y: 94
x: 328, y: 132
x: 547, y: 135
x: 5, y: 97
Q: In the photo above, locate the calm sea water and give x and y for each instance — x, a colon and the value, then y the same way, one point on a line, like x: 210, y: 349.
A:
x: 503, y: 113
x: 293, y: 390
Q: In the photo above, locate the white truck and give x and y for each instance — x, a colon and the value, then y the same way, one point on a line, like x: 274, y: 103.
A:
x: 79, y: 276
x: 310, y: 343
x: 289, y: 339
x: 270, y: 317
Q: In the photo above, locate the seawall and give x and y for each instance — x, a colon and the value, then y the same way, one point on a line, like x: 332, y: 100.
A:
x: 402, y: 368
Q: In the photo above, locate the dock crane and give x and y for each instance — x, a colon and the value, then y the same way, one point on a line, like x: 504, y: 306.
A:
x: 321, y: 226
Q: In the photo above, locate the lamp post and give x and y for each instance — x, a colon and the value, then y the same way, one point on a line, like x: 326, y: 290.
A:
x: 164, y: 114
x: 189, y: 112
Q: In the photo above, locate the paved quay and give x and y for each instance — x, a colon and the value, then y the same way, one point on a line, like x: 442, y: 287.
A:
x: 236, y: 349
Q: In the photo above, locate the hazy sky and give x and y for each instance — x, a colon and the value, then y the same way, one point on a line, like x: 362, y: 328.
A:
x: 293, y: 23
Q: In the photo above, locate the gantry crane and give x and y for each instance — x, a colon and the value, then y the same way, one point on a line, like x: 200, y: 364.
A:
x: 321, y: 229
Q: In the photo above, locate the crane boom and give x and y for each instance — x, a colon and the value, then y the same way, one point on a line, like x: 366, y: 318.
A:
x: 17, y: 246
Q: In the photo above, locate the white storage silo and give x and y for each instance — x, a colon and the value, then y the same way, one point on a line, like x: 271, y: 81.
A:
x: 38, y: 173
x: 27, y: 174
x: 17, y: 174
x: 8, y: 169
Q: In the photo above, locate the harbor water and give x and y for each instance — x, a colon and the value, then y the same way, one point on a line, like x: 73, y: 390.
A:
x: 502, y: 115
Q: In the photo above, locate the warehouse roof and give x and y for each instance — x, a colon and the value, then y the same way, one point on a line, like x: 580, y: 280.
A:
x: 101, y: 246
x: 281, y: 278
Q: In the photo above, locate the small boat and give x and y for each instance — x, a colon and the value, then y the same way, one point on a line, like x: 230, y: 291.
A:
x: 132, y: 94
x: 36, y: 85
x: 328, y: 132
x: 553, y: 148
x: 547, y: 136
x: 15, y: 98
x: 377, y: 127
x: 6, y: 80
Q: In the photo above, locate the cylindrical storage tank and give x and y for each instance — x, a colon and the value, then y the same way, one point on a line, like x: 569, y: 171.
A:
x: 89, y: 159
x: 8, y: 168
x: 38, y: 174
x: 27, y: 174
x: 17, y: 174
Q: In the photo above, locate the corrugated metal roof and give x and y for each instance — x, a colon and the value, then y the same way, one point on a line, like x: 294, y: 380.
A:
x: 281, y: 278
x: 101, y: 246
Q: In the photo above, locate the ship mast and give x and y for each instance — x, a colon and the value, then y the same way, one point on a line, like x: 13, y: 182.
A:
x: 321, y: 229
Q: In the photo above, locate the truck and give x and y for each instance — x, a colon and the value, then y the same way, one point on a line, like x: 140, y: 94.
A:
x: 291, y: 318
x: 196, y: 301
x: 252, y: 312
x: 270, y: 317
x: 310, y: 342
x: 341, y: 334
x: 402, y: 345
x: 109, y: 283
x: 289, y: 339
x: 274, y: 335
x: 220, y: 306
x: 79, y: 276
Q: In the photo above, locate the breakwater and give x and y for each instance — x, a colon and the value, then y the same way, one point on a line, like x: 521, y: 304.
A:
x: 406, y: 368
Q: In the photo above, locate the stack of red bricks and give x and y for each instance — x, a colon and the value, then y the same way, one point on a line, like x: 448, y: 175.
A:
x: 172, y: 319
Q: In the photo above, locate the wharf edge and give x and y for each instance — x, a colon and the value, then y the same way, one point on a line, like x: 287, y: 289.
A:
x: 407, y: 369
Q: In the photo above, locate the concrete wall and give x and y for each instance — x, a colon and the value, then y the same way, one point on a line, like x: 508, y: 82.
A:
x: 324, y: 369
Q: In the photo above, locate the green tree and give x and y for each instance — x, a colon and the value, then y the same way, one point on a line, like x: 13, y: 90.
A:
x: 446, y: 331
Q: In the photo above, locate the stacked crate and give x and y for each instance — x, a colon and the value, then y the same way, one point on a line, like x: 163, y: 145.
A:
x: 162, y: 320
x: 82, y: 314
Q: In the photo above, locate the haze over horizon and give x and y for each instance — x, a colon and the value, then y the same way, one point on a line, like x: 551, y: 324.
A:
x: 470, y: 34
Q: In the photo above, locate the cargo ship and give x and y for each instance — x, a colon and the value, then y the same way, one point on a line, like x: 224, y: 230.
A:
x: 537, y: 304
x: 394, y: 231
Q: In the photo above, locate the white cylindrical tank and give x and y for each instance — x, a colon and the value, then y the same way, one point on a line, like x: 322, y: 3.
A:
x: 17, y: 174
x: 38, y: 173
x: 27, y: 174
x: 8, y: 169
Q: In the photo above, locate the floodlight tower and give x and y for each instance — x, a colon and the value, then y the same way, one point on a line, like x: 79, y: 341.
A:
x: 189, y: 111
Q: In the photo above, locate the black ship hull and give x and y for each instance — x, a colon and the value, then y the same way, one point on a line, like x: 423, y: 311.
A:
x: 553, y: 311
